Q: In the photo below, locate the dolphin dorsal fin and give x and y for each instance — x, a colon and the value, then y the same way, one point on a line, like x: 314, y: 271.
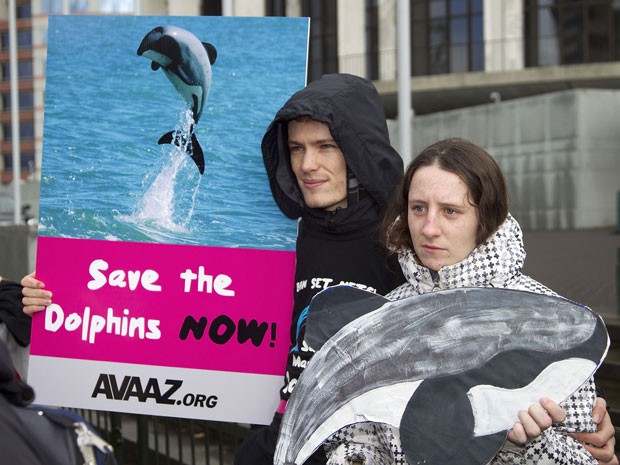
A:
x: 211, y: 52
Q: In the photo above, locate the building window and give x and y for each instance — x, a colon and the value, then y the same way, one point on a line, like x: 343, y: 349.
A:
x: 323, y: 37
x: 24, y: 70
x: 26, y: 130
x: 446, y: 36
x: 116, y: 6
x: 26, y: 100
x: 26, y: 162
x: 51, y: 6
x: 24, y: 40
x: 23, y: 10
x: 211, y: 8
x: 275, y: 7
x: 561, y: 32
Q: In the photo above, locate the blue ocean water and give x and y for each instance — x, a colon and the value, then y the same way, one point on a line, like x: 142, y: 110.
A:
x: 104, y: 176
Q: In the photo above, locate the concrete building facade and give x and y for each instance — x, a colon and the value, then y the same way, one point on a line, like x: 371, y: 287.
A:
x: 524, y: 55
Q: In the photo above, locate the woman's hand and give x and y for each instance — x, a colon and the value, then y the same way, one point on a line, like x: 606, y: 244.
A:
x: 535, y: 420
x: 35, y: 297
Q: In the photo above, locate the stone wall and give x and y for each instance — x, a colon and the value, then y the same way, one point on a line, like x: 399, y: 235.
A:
x: 560, y: 153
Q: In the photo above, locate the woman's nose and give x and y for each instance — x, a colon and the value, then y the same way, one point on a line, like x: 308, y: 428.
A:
x: 430, y: 227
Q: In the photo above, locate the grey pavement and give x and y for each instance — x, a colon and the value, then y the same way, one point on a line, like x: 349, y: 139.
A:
x: 581, y: 265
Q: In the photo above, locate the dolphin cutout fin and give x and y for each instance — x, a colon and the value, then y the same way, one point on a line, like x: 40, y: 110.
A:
x: 335, y: 307
x: 211, y: 51
x: 194, y: 150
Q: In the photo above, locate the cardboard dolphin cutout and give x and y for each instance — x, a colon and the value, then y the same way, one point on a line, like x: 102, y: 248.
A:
x: 186, y: 62
x: 451, y: 369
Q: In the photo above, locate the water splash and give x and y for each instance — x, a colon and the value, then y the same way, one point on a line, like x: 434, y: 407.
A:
x: 171, y: 190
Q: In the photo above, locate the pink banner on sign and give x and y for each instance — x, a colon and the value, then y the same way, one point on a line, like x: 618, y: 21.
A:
x: 209, y: 308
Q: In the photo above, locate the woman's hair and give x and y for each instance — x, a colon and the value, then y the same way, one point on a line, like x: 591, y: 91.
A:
x: 477, y: 169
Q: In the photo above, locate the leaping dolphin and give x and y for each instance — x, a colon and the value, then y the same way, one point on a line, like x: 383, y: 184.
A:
x: 186, y: 62
x: 450, y: 369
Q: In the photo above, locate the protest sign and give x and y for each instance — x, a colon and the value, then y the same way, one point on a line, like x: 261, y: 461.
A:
x: 171, y: 266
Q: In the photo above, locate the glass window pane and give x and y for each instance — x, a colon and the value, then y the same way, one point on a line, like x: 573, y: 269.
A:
x: 27, y: 161
x: 458, y: 7
x: 458, y: 31
x: 458, y: 59
x: 25, y: 69
x: 547, y: 22
x: 26, y: 100
x: 116, y: 6
x: 477, y: 56
x: 438, y: 8
x: 548, y: 53
x: 477, y: 29
x: 24, y: 39
x: 438, y: 47
x: 572, y: 32
x: 51, y: 6
x: 419, y: 49
x: 598, y: 34
x: 26, y: 130
x: 438, y: 33
x: 78, y: 6
x: 23, y: 10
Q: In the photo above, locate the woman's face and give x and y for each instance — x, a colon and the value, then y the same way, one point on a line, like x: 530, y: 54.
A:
x: 442, y: 221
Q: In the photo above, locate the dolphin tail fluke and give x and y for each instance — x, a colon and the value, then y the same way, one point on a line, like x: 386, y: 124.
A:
x: 194, y: 150
x: 197, y: 155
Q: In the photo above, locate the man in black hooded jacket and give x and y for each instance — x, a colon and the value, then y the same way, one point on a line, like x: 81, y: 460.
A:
x: 331, y: 166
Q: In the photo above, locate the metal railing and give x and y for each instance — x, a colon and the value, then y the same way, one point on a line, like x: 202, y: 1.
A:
x: 151, y: 440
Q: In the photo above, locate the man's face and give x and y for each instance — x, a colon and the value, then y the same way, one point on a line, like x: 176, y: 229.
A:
x: 318, y: 164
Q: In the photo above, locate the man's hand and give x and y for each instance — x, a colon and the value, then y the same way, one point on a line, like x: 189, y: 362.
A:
x: 35, y: 297
x: 602, y: 443
x: 535, y: 420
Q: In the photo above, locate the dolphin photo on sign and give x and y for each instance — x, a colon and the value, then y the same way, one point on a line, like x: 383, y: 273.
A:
x: 186, y: 62
x: 462, y: 362
x: 156, y: 137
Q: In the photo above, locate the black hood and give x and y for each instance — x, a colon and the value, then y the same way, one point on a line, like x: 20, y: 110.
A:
x: 352, y: 109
